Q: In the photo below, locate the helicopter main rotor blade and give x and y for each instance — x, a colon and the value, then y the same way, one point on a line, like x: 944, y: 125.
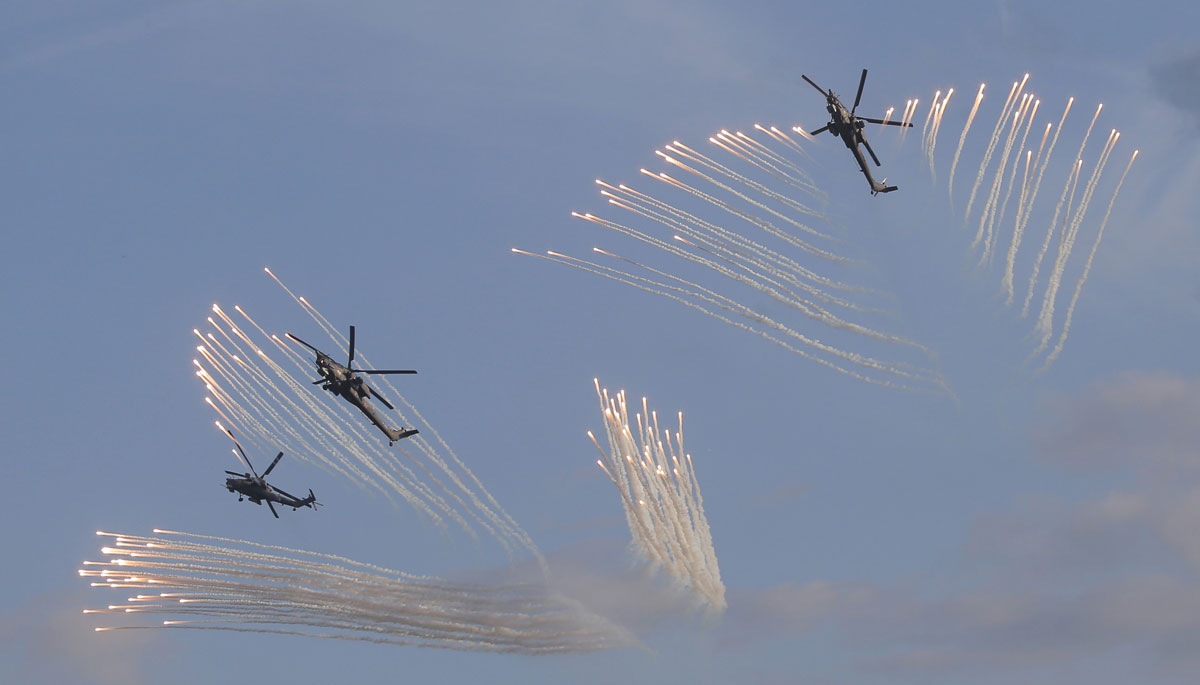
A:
x: 861, y: 82
x: 239, y: 447
x: 239, y: 475
x: 303, y: 343
x: 350, y: 361
x: 810, y: 82
x: 380, y: 398
x: 272, y: 508
x: 383, y: 370
x: 869, y: 120
x: 277, y: 458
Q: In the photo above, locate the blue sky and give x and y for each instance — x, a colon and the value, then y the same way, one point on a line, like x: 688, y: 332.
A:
x: 383, y: 159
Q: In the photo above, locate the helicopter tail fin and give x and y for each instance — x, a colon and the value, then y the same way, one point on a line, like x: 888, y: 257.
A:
x: 311, y: 500
x: 396, y: 435
x: 881, y: 187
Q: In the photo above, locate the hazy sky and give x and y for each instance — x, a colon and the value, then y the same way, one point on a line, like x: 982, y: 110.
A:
x: 383, y: 158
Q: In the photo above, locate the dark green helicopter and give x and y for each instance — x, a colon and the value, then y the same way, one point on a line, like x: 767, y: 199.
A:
x: 344, y: 382
x: 259, y: 490
x: 849, y: 128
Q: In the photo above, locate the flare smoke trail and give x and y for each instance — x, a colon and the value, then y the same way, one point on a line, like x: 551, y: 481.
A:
x: 987, y: 214
x: 1037, y: 263
x: 961, y: 138
x: 997, y: 210
x: 909, y: 112
x: 991, y: 146
x: 933, y: 133
x: 209, y: 583
x: 1006, y: 282
x: 1018, y: 113
x: 1087, y: 267
x: 1066, y: 244
x: 661, y: 498
x: 1058, y: 208
x: 262, y: 391
x: 768, y: 261
x: 929, y: 117
x: 1063, y: 198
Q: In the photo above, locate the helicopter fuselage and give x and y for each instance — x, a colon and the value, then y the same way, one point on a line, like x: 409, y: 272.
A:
x: 844, y: 124
x: 849, y: 128
x: 257, y: 489
x: 343, y: 382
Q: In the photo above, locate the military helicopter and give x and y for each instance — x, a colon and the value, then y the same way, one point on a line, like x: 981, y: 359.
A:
x: 259, y: 490
x: 343, y: 381
x: 849, y: 128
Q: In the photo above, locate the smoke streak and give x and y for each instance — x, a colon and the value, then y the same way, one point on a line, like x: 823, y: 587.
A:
x: 1033, y: 196
x: 1066, y: 245
x: 995, y: 138
x: 721, y: 250
x: 273, y: 407
x: 1071, y: 206
x: 987, y: 214
x: 226, y: 584
x: 933, y: 134
x: 961, y: 139
x: 1087, y: 267
x: 997, y: 211
x: 661, y: 498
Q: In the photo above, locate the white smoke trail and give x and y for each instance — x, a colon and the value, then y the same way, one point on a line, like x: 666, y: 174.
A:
x: 933, y: 134
x: 692, y: 296
x: 1050, y: 231
x: 1076, y: 195
x: 928, y: 117
x: 1027, y: 180
x: 773, y: 163
x: 908, y: 104
x: 910, y: 110
x: 1066, y: 245
x: 762, y: 223
x: 998, y: 210
x: 1087, y: 267
x: 1072, y: 181
x: 661, y: 498
x: 961, y: 139
x: 1029, y: 190
x: 431, y: 479
x: 731, y: 245
x: 767, y: 271
x: 751, y: 156
x: 244, y: 586
x: 1033, y: 196
x: 333, y: 438
x: 991, y: 146
x: 988, y: 213
x: 1006, y: 282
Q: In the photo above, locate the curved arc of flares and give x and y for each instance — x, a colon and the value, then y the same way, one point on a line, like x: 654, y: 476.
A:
x: 660, y: 497
x: 235, y: 585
